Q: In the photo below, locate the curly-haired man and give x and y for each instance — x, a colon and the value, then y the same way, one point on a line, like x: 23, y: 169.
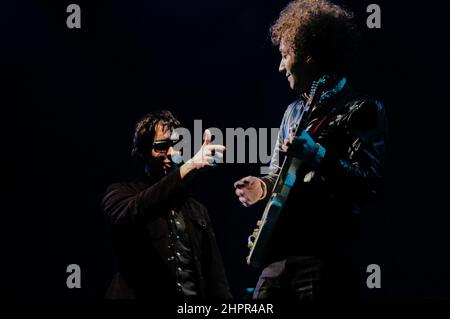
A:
x: 163, y: 238
x: 342, y: 151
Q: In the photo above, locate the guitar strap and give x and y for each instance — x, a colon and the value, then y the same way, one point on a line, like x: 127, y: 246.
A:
x: 318, y: 126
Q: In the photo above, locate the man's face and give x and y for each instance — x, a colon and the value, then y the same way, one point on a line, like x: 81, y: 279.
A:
x: 161, y: 156
x: 289, y: 66
x: 299, y: 73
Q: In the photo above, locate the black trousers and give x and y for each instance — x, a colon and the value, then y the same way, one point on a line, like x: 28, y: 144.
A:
x: 292, y: 278
x: 308, y: 278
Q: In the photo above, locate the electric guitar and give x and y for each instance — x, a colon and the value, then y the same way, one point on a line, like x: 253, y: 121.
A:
x: 258, y: 241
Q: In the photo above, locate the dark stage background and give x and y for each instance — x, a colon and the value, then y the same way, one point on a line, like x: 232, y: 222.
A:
x: 70, y: 99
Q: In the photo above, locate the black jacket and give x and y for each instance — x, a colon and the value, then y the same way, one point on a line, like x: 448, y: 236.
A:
x: 137, y: 212
x: 322, y: 212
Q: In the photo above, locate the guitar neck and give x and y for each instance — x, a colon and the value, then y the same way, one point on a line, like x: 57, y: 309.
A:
x: 290, y: 163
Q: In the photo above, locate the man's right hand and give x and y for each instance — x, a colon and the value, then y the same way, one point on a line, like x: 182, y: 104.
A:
x: 249, y: 190
x: 205, y: 157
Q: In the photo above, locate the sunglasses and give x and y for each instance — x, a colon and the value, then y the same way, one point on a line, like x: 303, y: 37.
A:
x: 163, y: 145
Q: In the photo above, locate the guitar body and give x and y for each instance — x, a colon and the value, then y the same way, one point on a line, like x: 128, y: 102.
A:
x: 260, y: 238
x: 265, y: 227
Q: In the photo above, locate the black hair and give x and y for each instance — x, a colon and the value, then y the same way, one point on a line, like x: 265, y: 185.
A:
x: 145, y: 131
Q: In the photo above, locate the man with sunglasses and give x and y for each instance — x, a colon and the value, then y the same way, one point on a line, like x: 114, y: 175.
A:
x: 163, y: 238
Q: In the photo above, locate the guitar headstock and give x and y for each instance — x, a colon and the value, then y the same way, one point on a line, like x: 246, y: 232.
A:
x: 316, y: 90
x: 317, y: 87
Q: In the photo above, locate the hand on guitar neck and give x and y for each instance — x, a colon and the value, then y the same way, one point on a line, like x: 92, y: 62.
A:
x: 250, y: 190
x: 302, y: 147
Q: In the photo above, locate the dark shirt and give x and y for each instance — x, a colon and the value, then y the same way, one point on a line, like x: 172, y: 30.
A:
x: 139, y: 213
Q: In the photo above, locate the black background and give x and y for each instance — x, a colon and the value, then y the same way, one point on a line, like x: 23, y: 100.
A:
x: 70, y: 98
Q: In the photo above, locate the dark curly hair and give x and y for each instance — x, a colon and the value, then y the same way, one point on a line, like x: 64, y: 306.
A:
x: 145, y: 131
x: 319, y: 29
